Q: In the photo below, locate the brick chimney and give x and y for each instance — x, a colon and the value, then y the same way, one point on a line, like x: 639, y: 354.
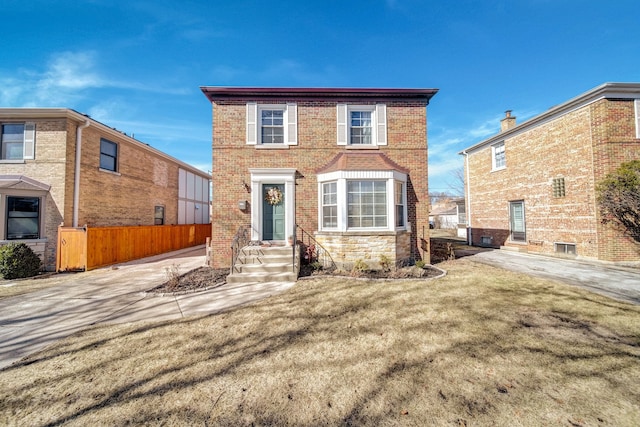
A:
x: 508, y: 122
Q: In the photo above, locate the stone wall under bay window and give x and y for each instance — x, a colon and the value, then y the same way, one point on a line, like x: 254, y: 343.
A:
x: 346, y: 248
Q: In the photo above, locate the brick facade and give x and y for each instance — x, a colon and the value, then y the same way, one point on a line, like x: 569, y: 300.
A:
x: 316, y: 146
x: 145, y: 177
x: 579, y: 142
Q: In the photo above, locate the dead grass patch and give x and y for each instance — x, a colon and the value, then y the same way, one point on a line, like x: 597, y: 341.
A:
x: 481, y: 346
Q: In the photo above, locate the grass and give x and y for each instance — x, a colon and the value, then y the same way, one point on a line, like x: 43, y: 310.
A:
x: 481, y: 346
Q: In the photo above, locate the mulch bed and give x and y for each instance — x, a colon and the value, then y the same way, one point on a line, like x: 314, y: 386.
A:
x: 195, y: 280
x: 204, y: 278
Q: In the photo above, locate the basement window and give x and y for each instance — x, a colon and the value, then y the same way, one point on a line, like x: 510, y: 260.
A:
x: 565, y: 248
x: 486, y: 240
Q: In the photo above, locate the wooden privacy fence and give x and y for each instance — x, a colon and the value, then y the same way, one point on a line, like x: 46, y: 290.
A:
x: 86, y: 248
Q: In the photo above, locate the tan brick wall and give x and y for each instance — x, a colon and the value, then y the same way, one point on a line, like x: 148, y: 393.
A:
x: 568, y: 147
x: 143, y: 181
x: 49, y: 168
x: 317, y: 145
x: 614, y: 143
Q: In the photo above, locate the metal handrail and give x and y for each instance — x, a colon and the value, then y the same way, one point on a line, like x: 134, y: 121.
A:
x: 240, y: 240
x: 312, y: 251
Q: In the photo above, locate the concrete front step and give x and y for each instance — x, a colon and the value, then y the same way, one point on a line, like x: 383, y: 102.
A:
x: 263, y: 264
x: 267, y: 267
x: 261, y: 277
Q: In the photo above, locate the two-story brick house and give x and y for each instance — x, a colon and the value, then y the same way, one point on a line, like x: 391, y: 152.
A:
x: 532, y: 187
x: 58, y: 166
x: 348, y: 166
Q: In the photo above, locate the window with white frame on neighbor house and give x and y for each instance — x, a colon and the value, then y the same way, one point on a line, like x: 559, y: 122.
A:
x: 23, y: 218
x: 17, y: 141
x: 272, y: 124
x: 362, y: 125
x: 498, y: 156
x: 108, y: 155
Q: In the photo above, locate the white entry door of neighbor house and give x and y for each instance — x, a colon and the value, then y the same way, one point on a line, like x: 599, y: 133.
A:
x: 273, y: 213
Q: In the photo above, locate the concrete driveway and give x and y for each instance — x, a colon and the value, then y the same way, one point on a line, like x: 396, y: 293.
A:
x: 621, y: 283
x: 75, y: 301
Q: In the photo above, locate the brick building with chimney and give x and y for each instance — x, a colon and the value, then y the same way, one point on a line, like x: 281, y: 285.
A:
x: 532, y: 187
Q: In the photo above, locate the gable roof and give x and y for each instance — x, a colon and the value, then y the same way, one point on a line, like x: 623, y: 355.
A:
x: 218, y: 93
x: 19, y: 182
x: 361, y: 162
x: 604, y: 91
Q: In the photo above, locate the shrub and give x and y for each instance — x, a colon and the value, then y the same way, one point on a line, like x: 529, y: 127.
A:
x: 420, y: 263
x: 17, y: 260
x: 385, y: 263
x: 359, y: 267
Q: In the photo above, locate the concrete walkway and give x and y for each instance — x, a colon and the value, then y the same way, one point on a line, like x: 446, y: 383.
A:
x: 32, y: 321
x: 621, y: 283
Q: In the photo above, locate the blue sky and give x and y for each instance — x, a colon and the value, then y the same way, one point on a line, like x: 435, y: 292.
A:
x: 137, y: 65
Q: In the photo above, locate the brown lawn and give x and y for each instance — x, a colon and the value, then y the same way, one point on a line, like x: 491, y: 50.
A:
x: 481, y: 346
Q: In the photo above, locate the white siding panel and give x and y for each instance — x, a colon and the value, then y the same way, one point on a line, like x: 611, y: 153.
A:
x: 182, y: 183
x: 182, y: 212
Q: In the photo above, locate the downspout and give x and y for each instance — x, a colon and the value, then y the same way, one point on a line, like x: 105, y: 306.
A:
x: 468, y: 197
x: 76, y: 179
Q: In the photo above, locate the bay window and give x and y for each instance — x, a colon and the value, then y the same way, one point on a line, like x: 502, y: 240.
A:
x: 362, y: 200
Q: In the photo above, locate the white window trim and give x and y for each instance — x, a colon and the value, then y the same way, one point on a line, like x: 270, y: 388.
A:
x: 378, y: 124
x: 42, y: 195
x: 637, y: 111
x: 28, y: 142
x: 341, y: 178
x: 493, y: 156
x: 254, y: 126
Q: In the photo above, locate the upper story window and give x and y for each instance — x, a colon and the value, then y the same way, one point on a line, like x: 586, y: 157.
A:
x: 23, y: 218
x: 498, y: 156
x: 17, y: 141
x: 362, y: 125
x: 108, y: 155
x: 272, y: 124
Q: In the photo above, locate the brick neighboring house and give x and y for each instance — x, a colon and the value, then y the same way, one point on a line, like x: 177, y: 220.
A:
x: 118, y: 180
x: 351, y: 165
x: 532, y: 186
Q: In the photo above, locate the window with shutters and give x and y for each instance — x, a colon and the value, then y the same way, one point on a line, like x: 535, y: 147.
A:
x: 17, y: 141
x: 362, y: 126
x: 272, y: 125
